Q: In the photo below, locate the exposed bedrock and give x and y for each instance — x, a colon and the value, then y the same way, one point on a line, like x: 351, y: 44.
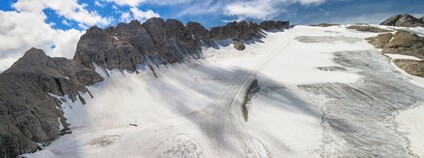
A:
x: 403, y: 20
x: 161, y: 42
x: 367, y: 28
x: 404, y: 43
x: 30, y: 115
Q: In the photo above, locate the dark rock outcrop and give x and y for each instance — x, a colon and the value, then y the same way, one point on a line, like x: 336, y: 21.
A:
x: 238, y: 44
x: 402, y: 42
x: 244, y: 30
x: 325, y: 25
x: 412, y: 67
x: 403, y: 20
x: 200, y: 34
x: 381, y: 40
x: 157, y: 41
x: 274, y: 25
x: 367, y: 28
x: 405, y: 43
x: 29, y: 114
x: 422, y: 19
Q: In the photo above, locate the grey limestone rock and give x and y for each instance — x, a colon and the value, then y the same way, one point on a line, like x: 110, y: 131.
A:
x: 403, y: 20
x: 274, y: 25
x: 28, y: 114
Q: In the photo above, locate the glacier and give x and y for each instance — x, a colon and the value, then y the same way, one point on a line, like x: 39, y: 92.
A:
x: 324, y: 92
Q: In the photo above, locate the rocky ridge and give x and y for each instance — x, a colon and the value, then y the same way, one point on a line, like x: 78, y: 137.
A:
x: 403, y: 20
x: 367, y: 28
x: 29, y: 114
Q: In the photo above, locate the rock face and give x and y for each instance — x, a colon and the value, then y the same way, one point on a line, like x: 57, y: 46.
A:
x: 403, y: 20
x: 367, y: 28
x: 160, y: 42
x: 29, y: 114
x: 422, y: 19
x: 242, y: 30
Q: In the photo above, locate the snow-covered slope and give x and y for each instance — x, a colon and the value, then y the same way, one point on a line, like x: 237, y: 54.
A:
x: 319, y: 97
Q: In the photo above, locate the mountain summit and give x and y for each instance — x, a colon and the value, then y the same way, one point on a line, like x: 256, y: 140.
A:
x: 403, y: 20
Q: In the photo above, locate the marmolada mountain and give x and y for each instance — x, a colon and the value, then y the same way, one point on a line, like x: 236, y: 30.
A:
x: 167, y: 89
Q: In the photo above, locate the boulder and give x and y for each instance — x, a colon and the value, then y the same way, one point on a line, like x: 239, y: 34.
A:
x: 403, y: 20
x: 239, y: 45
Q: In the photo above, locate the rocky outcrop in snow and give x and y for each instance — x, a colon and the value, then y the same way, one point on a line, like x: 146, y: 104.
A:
x: 403, y: 20
x: 404, y: 43
x: 238, y: 44
x: 367, y: 28
x: 401, y: 42
x: 29, y: 114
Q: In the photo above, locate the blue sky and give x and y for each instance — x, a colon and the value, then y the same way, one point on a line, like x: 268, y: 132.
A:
x: 56, y: 25
x: 213, y: 12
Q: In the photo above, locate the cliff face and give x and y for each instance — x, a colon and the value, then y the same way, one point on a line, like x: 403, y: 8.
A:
x: 160, y: 42
x: 29, y: 114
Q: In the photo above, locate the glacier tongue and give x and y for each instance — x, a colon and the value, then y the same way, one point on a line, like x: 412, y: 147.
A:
x: 324, y: 92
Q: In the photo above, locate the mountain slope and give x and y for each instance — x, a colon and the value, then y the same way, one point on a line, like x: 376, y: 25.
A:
x: 29, y: 112
x: 323, y: 92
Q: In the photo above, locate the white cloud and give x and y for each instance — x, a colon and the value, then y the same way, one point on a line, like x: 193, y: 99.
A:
x: 260, y: 9
x: 143, y: 15
x: 138, y: 14
x: 97, y: 3
x: 126, y: 17
x: 132, y: 3
x: 310, y: 2
x: 64, y: 22
x: 70, y: 9
x: 19, y: 31
x: 206, y: 7
x: 135, y: 3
